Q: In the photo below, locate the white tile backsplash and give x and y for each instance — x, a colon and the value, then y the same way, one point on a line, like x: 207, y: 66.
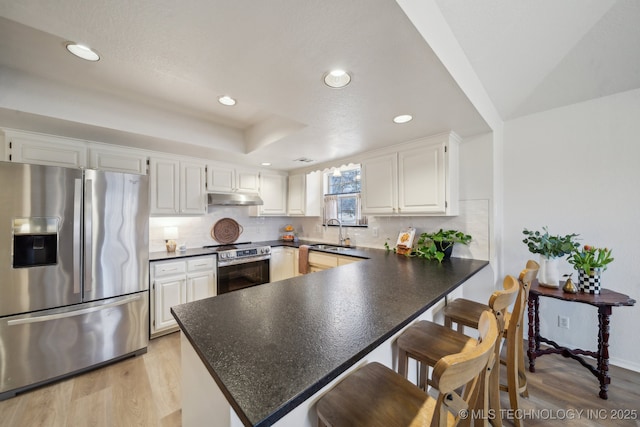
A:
x: 196, y: 231
x: 473, y: 220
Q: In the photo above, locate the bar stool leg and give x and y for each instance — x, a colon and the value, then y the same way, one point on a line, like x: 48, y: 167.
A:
x: 403, y: 360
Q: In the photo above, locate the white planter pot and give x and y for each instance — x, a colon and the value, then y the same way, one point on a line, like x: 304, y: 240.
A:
x: 549, y: 275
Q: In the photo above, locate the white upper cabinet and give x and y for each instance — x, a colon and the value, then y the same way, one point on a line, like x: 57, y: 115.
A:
x: 273, y: 192
x: 165, y: 186
x: 177, y: 188
x: 118, y: 159
x: 40, y: 149
x: 297, y: 194
x: 422, y: 180
x: 420, y: 177
x: 305, y: 194
x: 221, y: 178
x: 247, y: 180
x: 192, y: 188
x: 379, y: 181
x: 227, y: 179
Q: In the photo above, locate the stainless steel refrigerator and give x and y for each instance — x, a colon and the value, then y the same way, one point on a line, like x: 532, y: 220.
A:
x: 74, y: 276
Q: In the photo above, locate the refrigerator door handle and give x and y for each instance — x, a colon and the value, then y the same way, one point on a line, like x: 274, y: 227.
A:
x: 74, y: 313
x: 77, y: 237
x: 88, y: 235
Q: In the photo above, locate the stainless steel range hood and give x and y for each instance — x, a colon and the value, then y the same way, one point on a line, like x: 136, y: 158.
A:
x: 234, y: 199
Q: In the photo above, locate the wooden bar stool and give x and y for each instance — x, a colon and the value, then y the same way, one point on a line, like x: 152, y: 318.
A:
x: 464, y: 312
x: 376, y: 396
x: 427, y: 342
x: 516, y: 378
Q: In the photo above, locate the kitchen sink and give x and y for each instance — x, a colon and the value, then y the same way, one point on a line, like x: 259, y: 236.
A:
x: 333, y: 248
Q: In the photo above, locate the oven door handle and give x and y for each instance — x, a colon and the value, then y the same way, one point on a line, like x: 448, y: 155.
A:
x: 225, y: 263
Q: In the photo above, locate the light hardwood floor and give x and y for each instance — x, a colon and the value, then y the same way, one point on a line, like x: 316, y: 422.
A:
x: 145, y: 391
x: 561, y: 388
x: 139, y: 391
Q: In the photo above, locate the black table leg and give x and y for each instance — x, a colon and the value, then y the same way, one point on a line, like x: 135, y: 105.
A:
x: 603, y: 350
x: 534, y: 328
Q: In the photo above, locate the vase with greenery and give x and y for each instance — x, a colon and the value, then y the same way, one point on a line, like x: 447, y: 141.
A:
x: 590, y: 263
x: 439, y: 245
x: 550, y: 248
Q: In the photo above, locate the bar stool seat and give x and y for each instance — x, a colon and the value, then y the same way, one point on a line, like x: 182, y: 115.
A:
x: 376, y: 396
x: 429, y: 342
x: 463, y: 312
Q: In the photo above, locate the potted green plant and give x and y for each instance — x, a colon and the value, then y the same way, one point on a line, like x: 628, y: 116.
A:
x: 590, y: 263
x: 439, y: 245
x: 550, y: 248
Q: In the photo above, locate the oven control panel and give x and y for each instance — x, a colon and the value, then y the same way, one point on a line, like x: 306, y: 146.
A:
x: 244, y: 253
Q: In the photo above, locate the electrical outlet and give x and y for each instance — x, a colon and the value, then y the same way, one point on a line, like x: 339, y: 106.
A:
x: 563, y: 322
x: 319, y: 228
x: 374, y: 231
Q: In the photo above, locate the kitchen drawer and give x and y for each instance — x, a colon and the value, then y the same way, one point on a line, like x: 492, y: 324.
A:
x: 323, y: 259
x: 200, y: 263
x: 162, y: 269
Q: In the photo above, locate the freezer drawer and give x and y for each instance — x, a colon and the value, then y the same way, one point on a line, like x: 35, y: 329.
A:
x: 45, y: 345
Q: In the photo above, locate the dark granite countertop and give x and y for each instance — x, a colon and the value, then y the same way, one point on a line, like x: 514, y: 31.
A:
x: 164, y: 255
x: 271, y: 347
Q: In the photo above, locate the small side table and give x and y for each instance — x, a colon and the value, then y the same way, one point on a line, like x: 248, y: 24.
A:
x: 604, y: 301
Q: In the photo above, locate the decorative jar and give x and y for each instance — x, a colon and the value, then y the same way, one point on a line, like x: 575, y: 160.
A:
x: 589, y: 281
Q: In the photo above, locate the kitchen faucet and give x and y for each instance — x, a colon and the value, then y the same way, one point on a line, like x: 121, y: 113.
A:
x: 340, y: 238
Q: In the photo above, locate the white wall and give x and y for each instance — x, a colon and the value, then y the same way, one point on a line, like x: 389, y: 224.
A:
x: 575, y: 169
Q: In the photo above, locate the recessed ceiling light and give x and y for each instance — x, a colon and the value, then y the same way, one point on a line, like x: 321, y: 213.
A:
x: 265, y: 164
x: 337, y: 78
x: 403, y: 118
x: 83, y: 52
x: 227, y: 100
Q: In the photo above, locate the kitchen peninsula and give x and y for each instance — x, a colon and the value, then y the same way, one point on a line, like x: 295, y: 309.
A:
x: 261, y: 355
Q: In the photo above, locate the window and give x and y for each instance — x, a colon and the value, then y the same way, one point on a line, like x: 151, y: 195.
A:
x: 342, y: 197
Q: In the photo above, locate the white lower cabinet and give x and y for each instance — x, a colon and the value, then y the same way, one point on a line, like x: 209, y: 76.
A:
x: 167, y: 293
x: 175, y: 282
x: 283, y: 263
x: 319, y: 261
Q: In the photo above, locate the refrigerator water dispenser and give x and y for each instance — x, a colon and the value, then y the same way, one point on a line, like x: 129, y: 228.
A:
x: 35, y: 242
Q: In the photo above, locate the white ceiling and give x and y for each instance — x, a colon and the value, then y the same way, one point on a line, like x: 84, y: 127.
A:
x: 533, y: 56
x: 164, y: 63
